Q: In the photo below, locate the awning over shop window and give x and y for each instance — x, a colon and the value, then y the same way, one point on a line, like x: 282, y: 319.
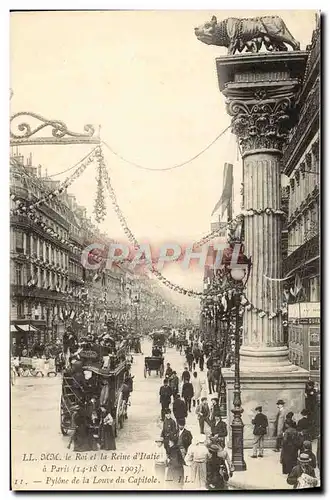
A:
x: 13, y: 329
x: 27, y: 328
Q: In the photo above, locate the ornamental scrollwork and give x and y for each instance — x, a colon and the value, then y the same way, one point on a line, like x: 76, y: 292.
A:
x: 261, y: 124
x: 24, y: 130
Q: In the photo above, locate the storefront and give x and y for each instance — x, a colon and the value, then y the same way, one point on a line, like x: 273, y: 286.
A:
x: 24, y: 335
x: 304, y: 337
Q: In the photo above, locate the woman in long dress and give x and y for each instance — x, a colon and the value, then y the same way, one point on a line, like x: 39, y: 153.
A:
x: 290, y: 448
x: 107, y: 436
x: 196, y: 457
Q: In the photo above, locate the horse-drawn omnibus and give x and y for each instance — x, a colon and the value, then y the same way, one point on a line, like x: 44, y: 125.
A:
x: 94, y: 382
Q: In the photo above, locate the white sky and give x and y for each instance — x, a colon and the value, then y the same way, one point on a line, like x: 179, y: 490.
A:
x: 152, y: 86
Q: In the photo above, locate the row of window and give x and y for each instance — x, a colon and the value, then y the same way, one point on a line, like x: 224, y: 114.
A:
x: 24, y: 243
x: 44, y: 278
x: 304, y: 228
x: 75, y: 269
x: 304, y: 178
x: 296, y: 335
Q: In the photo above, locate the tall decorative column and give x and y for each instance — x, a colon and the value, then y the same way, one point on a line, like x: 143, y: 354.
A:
x: 261, y: 91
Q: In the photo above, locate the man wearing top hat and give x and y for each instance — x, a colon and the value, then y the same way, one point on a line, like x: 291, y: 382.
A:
x: 279, y: 425
x: 260, y: 422
x: 215, y: 408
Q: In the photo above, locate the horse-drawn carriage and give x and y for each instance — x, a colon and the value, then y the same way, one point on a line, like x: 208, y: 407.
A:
x: 155, y: 362
x: 93, y: 383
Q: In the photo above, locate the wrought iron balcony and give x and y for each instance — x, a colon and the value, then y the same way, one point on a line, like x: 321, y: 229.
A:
x: 309, y: 117
x: 30, y: 293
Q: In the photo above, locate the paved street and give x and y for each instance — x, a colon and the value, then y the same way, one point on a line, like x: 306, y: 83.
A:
x: 36, y: 428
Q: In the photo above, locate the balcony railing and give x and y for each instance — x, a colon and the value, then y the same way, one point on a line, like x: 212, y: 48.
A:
x: 24, y: 222
x: 308, y: 115
x: 35, y: 292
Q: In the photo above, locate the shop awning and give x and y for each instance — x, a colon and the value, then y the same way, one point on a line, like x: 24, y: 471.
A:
x: 13, y: 329
x: 27, y: 328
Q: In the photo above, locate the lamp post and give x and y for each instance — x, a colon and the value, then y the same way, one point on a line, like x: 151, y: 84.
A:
x: 238, y: 278
x: 226, y: 297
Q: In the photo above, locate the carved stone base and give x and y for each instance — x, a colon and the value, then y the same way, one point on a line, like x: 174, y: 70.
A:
x: 266, y: 359
x: 264, y: 389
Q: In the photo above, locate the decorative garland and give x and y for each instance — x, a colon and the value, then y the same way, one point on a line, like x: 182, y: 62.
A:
x: 100, y: 208
x: 250, y: 212
x: 87, y: 160
x: 232, y: 225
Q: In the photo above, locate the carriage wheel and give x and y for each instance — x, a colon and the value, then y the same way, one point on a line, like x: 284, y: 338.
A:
x: 119, y: 412
x: 64, y: 429
x: 145, y: 372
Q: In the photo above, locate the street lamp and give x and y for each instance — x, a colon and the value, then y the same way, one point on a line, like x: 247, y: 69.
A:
x: 236, y: 279
x: 224, y: 298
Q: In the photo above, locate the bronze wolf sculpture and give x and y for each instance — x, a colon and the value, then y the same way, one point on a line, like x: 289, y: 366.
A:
x: 248, y: 33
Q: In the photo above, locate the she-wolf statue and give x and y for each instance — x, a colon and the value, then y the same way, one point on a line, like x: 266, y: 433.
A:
x: 238, y: 34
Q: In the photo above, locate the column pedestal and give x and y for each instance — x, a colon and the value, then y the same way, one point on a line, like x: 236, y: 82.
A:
x: 261, y: 91
x: 264, y: 389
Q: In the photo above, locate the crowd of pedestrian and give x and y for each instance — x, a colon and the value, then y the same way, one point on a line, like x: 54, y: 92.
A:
x: 293, y: 443
x: 204, y: 453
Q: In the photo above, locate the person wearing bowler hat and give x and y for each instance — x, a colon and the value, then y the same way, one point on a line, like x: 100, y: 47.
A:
x: 169, y: 428
x: 218, y: 429
x: 260, y: 422
x: 279, y: 424
x: 302, y: 475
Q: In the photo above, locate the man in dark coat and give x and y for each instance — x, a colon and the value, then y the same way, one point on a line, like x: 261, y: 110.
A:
x: 169, y: 431
x: 174, y: 383
x: 279, y: 424
x: 218, y: 429
x: 164, y: 397
x: 215, y: 408
x: 168, y: 371
x: 290, y: 448
x: 190, y: 359
x: 184, y: 438
x: 185, y: 375
x: 260, y: 422
x: 203, y: 414
x: 179, y: 408
x: 303, y: 427
x: 187, y: 394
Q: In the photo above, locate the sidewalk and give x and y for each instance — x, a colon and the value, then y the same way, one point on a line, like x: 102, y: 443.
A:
x: 261, y: 473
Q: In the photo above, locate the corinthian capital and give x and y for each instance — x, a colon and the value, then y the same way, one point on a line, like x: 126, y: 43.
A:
x: 261, y: 125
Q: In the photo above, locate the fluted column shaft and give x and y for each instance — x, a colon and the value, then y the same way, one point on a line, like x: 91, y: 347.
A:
x: 263, y: 242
